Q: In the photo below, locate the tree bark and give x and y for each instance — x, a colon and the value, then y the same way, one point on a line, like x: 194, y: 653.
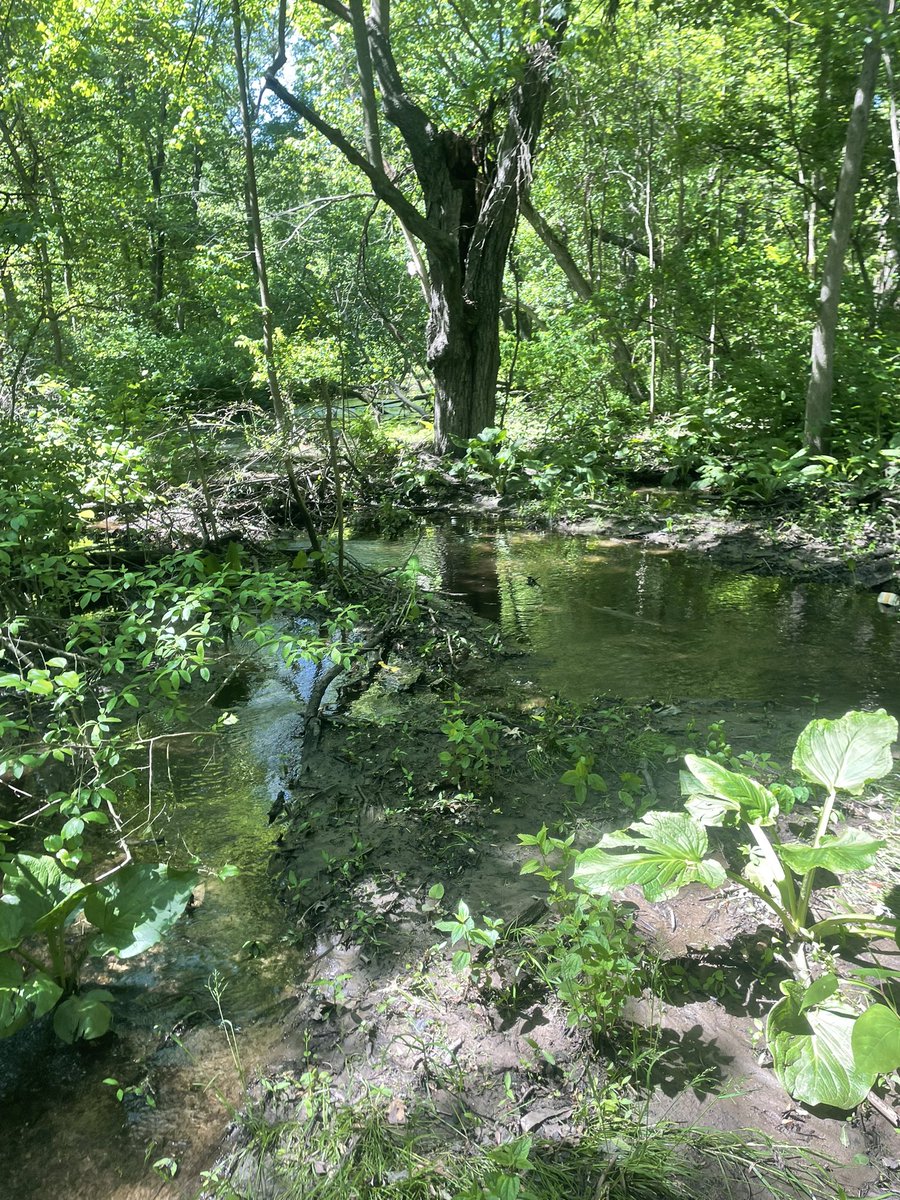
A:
x: 471, y: 195
x: 821, y: 380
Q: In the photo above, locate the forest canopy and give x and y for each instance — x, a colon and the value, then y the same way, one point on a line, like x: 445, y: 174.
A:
x: 635, y: 216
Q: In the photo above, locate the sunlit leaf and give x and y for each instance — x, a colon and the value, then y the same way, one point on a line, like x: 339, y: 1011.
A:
x: 847, y: 753
x: 136, y: 907
x: 671, y: 852
x: 812, y: 1051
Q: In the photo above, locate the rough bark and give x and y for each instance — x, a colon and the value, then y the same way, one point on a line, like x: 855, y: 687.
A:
x: 821, y: 380
x: 471, y: 200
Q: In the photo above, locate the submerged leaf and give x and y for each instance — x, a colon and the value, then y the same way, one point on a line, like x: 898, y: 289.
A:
x: 847, y: 753
x: 671, y: 849
x: 136, y: 907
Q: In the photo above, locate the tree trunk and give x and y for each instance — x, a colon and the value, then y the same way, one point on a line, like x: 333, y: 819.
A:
x: 821, y: 379
x: 471, y: 190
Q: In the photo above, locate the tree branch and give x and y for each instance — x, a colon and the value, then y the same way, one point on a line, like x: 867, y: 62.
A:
x: 579, y: 283
x: 381, y: 185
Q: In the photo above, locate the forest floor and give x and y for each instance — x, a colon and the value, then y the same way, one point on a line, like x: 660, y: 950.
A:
x: 448, y: 1059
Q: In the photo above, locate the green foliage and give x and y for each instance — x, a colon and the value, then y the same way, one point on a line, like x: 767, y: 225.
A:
x: 671, y: 850
x: 876, y: 1040
x: 810, y: 1042
x: 557, y: 477
x: 124, y: 914
x: 846, y: 754
x: 582, y: 779
x: 473, y: 750
x: 463, y: 928
x: 101, y: 661
x: 589, y: 954
x: 811, y: 1030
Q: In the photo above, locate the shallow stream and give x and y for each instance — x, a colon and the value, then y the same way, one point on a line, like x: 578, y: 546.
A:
x: 594, y: 617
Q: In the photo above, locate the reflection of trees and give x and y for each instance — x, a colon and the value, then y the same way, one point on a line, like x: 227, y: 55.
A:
x: 470, y: 567
x: 627, y: 620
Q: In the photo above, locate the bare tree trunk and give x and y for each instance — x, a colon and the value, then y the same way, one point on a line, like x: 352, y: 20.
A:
x: 156, y: 165
x: 894, y: 122
x: 821, y: 379
x: 651, y: 291
x: 251, y: 196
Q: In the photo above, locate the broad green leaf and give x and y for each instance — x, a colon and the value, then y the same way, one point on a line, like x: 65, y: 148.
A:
x: 819, y: 990
x: 671, y: 852
x: 42, y: 993
x: 852, y: 851
x: 136, y: 907
x: 23, y: 1000
x: 876, y: 1040
x: 87, y: 1016
x: 13, y: 923
x: 847, y: 753
x: 812, y: 1051
x: 736, y: 792
x: 45, y: 892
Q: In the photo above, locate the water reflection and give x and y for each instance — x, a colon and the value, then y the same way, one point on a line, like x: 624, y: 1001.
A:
x: 622, y: 619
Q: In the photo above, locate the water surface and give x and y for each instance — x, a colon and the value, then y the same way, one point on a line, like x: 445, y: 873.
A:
x: 639, y: 622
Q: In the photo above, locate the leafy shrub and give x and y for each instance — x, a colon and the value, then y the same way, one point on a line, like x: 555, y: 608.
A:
x: 819, y: 1054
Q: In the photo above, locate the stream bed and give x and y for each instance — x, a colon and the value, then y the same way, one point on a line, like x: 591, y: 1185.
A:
x: 593, y: 617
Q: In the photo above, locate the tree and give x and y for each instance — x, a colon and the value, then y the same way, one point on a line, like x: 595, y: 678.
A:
x: 471, y: 185
x: 821, y: 379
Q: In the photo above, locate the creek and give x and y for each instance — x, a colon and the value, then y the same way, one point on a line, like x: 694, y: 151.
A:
x: 593, y: 617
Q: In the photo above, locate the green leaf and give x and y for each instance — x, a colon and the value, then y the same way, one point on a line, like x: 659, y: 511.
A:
x: 852, y: 851
x: 13, y: 922
x: 46, y: 893
x: 671, y: 849
x: 733, y: 791
x: 876, y: 1040
x: 461, y: 960
x: 819, y: 990
x: 136, y: 907
x: 847, y: 753
x: 812, y: 1051
x: 87, y: 1016
x: 23, y: 1000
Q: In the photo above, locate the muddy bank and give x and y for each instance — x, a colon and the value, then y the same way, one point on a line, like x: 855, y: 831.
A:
x: 381, y: 835
x: 760, y: 545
